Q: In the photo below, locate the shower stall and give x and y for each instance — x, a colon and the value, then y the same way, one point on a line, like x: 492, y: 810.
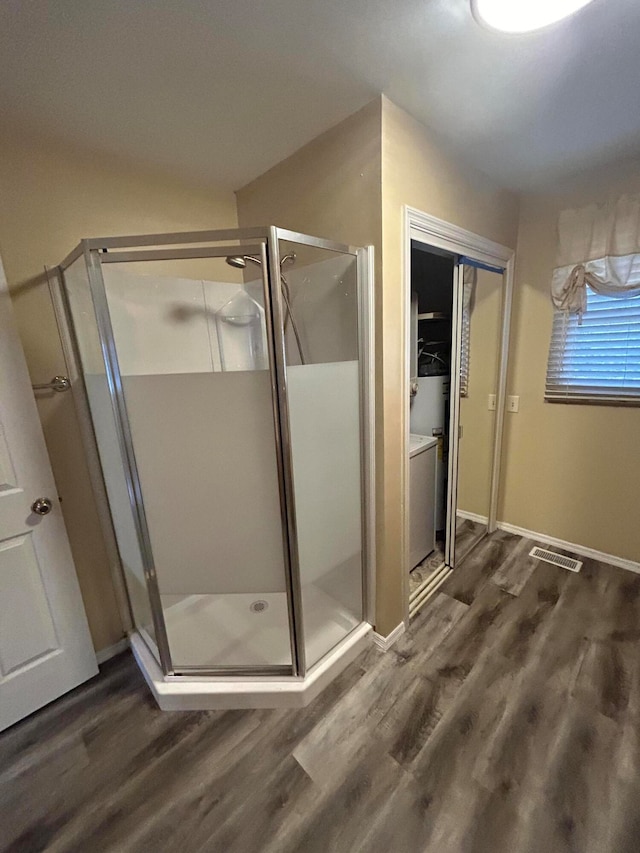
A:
x: 227, y: 379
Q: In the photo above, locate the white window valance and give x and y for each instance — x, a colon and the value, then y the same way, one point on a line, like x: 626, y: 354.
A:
x: 599, y: 246
x: 594, y: 352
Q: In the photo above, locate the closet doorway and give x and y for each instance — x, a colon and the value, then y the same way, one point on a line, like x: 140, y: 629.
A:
x: 458, y: 301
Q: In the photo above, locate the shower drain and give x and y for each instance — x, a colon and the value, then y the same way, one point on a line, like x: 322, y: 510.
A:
x: 258, y: 606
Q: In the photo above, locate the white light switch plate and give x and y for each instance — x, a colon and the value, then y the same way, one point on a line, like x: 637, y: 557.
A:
x: 492, y: 403
x: 513, y: 403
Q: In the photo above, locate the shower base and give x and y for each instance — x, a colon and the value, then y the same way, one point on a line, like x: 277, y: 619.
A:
x: 189, y: 693
x: 249, y: 630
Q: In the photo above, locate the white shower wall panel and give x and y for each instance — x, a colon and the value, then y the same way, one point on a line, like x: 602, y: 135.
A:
x: 165, y: 325
x: 324, y: 415
x: 205, y: 451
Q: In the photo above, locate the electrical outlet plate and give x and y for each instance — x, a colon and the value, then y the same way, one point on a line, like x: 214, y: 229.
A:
x: 513, y: 403
x: 492, y: 403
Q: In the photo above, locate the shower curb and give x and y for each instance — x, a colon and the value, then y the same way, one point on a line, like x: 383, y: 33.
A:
x: 181, y: 693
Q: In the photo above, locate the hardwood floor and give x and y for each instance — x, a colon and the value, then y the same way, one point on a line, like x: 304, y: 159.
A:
x: 468, y: 533
x: 506, y: 719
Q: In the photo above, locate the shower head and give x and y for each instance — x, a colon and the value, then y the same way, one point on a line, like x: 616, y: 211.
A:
x: 240, y: 261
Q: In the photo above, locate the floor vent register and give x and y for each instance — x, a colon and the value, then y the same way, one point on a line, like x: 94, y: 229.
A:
x: 556, y: 559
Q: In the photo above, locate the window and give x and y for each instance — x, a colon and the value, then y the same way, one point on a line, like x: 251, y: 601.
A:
x: 598, y: 359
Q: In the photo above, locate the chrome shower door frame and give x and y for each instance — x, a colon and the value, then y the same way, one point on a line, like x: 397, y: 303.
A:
x: 264, y: 242
x: 366, y: 367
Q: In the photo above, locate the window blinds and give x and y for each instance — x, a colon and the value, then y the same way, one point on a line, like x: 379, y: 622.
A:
x: 598, y: 359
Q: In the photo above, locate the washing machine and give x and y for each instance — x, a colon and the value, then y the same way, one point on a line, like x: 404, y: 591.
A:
x: 422, y: 497
x: 429, y: 416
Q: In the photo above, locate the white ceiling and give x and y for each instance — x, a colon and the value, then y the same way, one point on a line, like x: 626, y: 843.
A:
x: 223, y: 89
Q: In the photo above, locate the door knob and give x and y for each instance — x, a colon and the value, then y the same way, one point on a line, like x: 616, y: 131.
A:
x: 42, y: 506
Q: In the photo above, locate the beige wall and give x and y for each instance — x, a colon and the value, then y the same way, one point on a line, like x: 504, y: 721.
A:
x: 50, y: 198
x: 418, y: 171
x: 329, y: 188
x: 570, y: 471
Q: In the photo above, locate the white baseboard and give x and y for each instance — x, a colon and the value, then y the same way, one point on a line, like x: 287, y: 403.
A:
x: 621, y: 562
x: 385, y: 643
x: 472, y: 516
x: 111, y: 651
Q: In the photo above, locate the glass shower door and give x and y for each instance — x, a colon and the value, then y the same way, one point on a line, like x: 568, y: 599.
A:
x: 316, y: 291
x: 183, y: 345
x: 118, y: 488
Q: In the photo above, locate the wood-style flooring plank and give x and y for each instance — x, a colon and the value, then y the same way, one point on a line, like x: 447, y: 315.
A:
x: 479, y: 566
x: 341, y: 817
x: 516, y: 569
x: 506, y: 720
x: 468, y: 533
x: 432, y: 625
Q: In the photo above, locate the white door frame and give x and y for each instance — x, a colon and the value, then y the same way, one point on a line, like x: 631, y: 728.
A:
x: 439, y: 234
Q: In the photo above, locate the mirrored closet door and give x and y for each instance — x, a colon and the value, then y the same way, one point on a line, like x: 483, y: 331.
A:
x: 480, y: 308
x: 457, y: 317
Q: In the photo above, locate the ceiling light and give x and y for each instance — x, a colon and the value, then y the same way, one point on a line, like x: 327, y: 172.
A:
x: 522, y: 16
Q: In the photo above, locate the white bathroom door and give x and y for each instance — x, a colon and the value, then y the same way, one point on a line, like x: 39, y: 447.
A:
x: 45, y: 646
